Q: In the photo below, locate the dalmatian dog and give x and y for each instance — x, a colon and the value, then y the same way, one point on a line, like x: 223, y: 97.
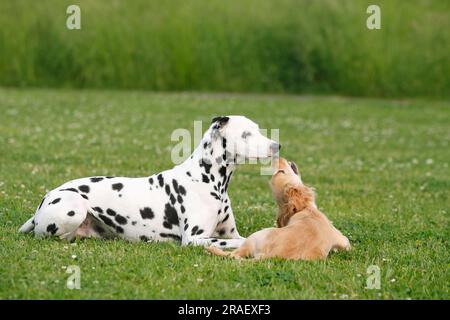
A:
x: 188, y: 203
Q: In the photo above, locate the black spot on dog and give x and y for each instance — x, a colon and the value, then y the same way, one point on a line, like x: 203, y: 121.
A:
x: 107, y: 221
x: 109, y: 177
x: 188, y: 173
x: 71, y: 213
x: 215, y: 195
x: 206, y: 165
x: 205, y: 178
x: 167, y: 189
x: 96, y: 179
x: 111, y: 212
x: 223, y: 243
x: 172, y: 199
x: 180, y: 199
x: 214, y: 240
x: 222, y: 120
x: 182, y: 209
x: 150, y: 180
x: 119, y: 229
x: 222, y: 232
x: 212, y: 177
x: 99, y: 229
x: 42, y: 202
x: 170, y: 235
x: 55, y: 201
x: 133, y: 223
x: 219, y: 212
x: 194, y: 230
x: 226, y: 218
x: 226, y: 208
x: 70, y: 189
x: 51, y: 228
x: 232, y: 230
x: 144, y: 238
x: 170, y: 217
x: 98, y: 209
x: 224, y: 143
x: 205, y: 145
x: 182, y: 190
x: 85, y: 196
x: 160, y: 180
x: 228, y: 180
x: 117, y: 186
x: 186, y: 226
x: 199, y: 232
x: 223, y: 171
x: 121, y: 219
x: 84, y: 188
x: 147, y: 213
x: 175, y: 186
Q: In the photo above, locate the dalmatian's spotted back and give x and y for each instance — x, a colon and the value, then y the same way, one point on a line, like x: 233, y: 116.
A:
x: 188, y: 203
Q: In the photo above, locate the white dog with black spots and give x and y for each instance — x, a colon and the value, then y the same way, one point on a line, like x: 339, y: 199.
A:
x: 188, y: 203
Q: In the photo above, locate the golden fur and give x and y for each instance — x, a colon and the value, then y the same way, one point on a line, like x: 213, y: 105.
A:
x: 303, y: 232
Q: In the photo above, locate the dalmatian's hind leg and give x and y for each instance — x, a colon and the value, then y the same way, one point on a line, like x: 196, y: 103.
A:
x: 61, y: 216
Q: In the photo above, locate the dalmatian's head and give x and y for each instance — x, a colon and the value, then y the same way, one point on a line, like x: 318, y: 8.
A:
x: 242, y: 139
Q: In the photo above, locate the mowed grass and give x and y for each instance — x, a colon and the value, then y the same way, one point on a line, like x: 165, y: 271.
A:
x: 380, y: 169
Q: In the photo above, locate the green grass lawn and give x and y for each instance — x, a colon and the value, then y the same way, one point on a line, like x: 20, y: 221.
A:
x: 380, y: 169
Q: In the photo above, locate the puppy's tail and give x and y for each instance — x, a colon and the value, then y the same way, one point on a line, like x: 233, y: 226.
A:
x: 27, y: 226
x: 217, y: 251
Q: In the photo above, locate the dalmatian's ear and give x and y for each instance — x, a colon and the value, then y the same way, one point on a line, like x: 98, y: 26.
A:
x: 220, y: 121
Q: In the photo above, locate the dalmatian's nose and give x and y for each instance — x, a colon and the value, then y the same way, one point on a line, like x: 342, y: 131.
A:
x: 275, y: 147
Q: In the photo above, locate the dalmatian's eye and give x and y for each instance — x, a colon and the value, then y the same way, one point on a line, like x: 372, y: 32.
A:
x: 246, y: 134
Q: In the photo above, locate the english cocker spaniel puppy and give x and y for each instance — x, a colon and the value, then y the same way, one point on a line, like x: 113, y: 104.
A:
x: 303, y: 231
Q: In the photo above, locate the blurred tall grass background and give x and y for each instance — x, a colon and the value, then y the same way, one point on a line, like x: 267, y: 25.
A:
x: 237, y: 46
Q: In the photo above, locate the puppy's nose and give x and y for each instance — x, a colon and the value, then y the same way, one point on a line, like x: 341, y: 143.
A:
x: 275, y: 147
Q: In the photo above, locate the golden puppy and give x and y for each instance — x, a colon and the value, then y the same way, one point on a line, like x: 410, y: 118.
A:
x: 303, y: 231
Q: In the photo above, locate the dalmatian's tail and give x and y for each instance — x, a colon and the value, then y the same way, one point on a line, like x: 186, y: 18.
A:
x: 27, y: 226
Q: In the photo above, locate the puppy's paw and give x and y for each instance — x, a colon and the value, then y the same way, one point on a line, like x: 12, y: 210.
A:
x: 216, y: 251
x: 347, y: 246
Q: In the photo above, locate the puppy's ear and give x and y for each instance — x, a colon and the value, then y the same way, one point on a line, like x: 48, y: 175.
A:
x: 296, y: 199
x: 220, y: 122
